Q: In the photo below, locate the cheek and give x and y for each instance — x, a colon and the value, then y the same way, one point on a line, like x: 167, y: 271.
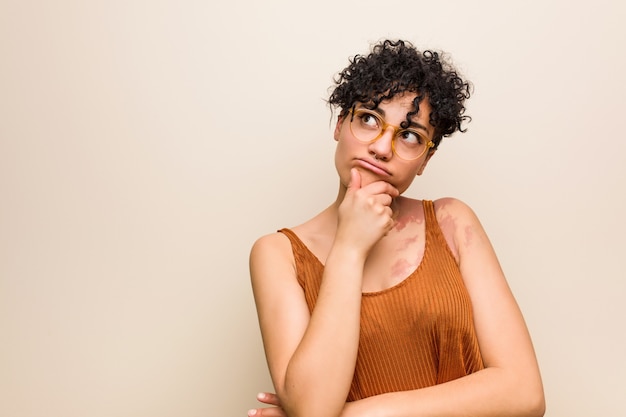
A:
x: 341, y: 165
x: 345, y: 149
x: 408, y: 176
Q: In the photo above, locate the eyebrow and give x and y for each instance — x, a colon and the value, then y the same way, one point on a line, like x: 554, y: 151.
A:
x: 412, y: 123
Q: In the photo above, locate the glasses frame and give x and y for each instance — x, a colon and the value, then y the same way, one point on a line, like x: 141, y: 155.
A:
x: 396, y: 129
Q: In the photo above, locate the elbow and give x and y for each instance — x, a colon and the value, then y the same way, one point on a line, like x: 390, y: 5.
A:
x: 523, y: 405
x: 313, y: 411
x: 537, y: 405
x: 532, y: 402
x: 526, y: 386
x: 522, y: 395
x: 534, y: 409
x: 537, y: 399
x: 305, y: 406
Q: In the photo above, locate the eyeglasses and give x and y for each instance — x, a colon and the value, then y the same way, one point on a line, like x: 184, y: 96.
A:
x: 368, y: 126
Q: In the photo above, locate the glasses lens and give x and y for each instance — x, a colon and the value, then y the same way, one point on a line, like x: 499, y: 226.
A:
x: 368, y: 126
x: 409, y: 144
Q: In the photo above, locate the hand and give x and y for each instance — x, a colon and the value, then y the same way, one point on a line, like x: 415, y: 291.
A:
x: 351, y: 409
x: 271, y: 399
x: 365, y: 215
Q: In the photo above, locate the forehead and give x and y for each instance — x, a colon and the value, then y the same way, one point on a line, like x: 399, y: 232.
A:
x: 403, y: 102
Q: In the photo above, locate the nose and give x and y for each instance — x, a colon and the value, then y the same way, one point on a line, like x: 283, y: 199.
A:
x: 382, y: 147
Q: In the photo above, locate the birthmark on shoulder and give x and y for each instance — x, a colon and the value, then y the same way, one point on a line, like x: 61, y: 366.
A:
x: 447, y: 223
x: 468, y: 235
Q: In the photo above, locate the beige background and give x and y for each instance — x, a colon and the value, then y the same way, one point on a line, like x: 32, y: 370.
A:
x: 144, y: 145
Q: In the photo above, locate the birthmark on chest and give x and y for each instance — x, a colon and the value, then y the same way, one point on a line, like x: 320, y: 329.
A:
x: 408, y: 255
x: 407, y: 243
x: 401, y: 268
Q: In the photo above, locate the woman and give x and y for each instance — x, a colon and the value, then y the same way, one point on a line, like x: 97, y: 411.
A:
x: 382, y: 305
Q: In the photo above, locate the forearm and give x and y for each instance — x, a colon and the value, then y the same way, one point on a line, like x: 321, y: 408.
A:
x: 490, y: 392
x: 320, y: 372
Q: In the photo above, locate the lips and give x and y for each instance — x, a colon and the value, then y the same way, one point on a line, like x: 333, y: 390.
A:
x: 373, y: 167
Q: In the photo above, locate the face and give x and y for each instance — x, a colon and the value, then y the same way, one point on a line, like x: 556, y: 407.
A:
x: 376, y: 161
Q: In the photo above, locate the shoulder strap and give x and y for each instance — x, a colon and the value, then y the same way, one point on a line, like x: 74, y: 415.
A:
x: 296, y: 243
x: 301, y: 253
x: 433, y: 230
x: 429, y: 212
x: 309, y: 269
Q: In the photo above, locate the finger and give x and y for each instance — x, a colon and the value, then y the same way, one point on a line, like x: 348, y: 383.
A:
x: 386, y: 216
x: 267, y: 412
x: 390, y: 225
x: 381, y: 187
x: 268, y: 398
x: 355, y: 179
x: 384, y: 199
x: 380, y: 202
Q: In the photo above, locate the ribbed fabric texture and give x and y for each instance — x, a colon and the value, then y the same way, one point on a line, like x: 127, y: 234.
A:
x: 413, y: 335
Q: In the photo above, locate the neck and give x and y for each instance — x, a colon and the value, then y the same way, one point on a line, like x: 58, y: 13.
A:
x: 341, y: 194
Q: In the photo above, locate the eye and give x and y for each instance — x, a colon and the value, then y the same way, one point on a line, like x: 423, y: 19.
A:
x: 410, y: 138
x: 369, y: 120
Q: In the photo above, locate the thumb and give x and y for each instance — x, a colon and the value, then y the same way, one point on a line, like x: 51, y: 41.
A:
x: 355, y: 179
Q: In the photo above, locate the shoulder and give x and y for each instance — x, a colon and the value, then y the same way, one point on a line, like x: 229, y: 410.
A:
x: 457, y: 222
x: 450, y: 206
x: 455, y: 213
x: 270, y: 247
x: 272, y: 268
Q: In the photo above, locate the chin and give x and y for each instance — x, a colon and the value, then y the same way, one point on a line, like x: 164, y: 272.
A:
x: 368, y: 177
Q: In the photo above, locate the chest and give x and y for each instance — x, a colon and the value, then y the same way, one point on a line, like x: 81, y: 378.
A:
x: 394, y: 258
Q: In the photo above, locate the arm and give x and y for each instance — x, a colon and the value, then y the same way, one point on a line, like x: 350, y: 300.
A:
x: 311, y: 357
x: 510, y: 384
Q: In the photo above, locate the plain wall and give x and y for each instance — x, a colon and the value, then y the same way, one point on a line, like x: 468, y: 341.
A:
x: 145, y: 145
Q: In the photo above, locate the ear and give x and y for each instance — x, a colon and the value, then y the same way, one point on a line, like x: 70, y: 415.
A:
x: 430, y: 155
x: 340, y: 120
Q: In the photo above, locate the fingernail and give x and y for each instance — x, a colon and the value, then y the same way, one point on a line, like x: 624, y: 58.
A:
x: 251, y: 412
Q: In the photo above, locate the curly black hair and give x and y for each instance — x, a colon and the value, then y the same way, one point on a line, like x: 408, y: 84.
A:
x: 394, y: 67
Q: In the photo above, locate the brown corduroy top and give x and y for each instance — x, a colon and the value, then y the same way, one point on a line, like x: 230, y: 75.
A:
x: 415, y: 334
